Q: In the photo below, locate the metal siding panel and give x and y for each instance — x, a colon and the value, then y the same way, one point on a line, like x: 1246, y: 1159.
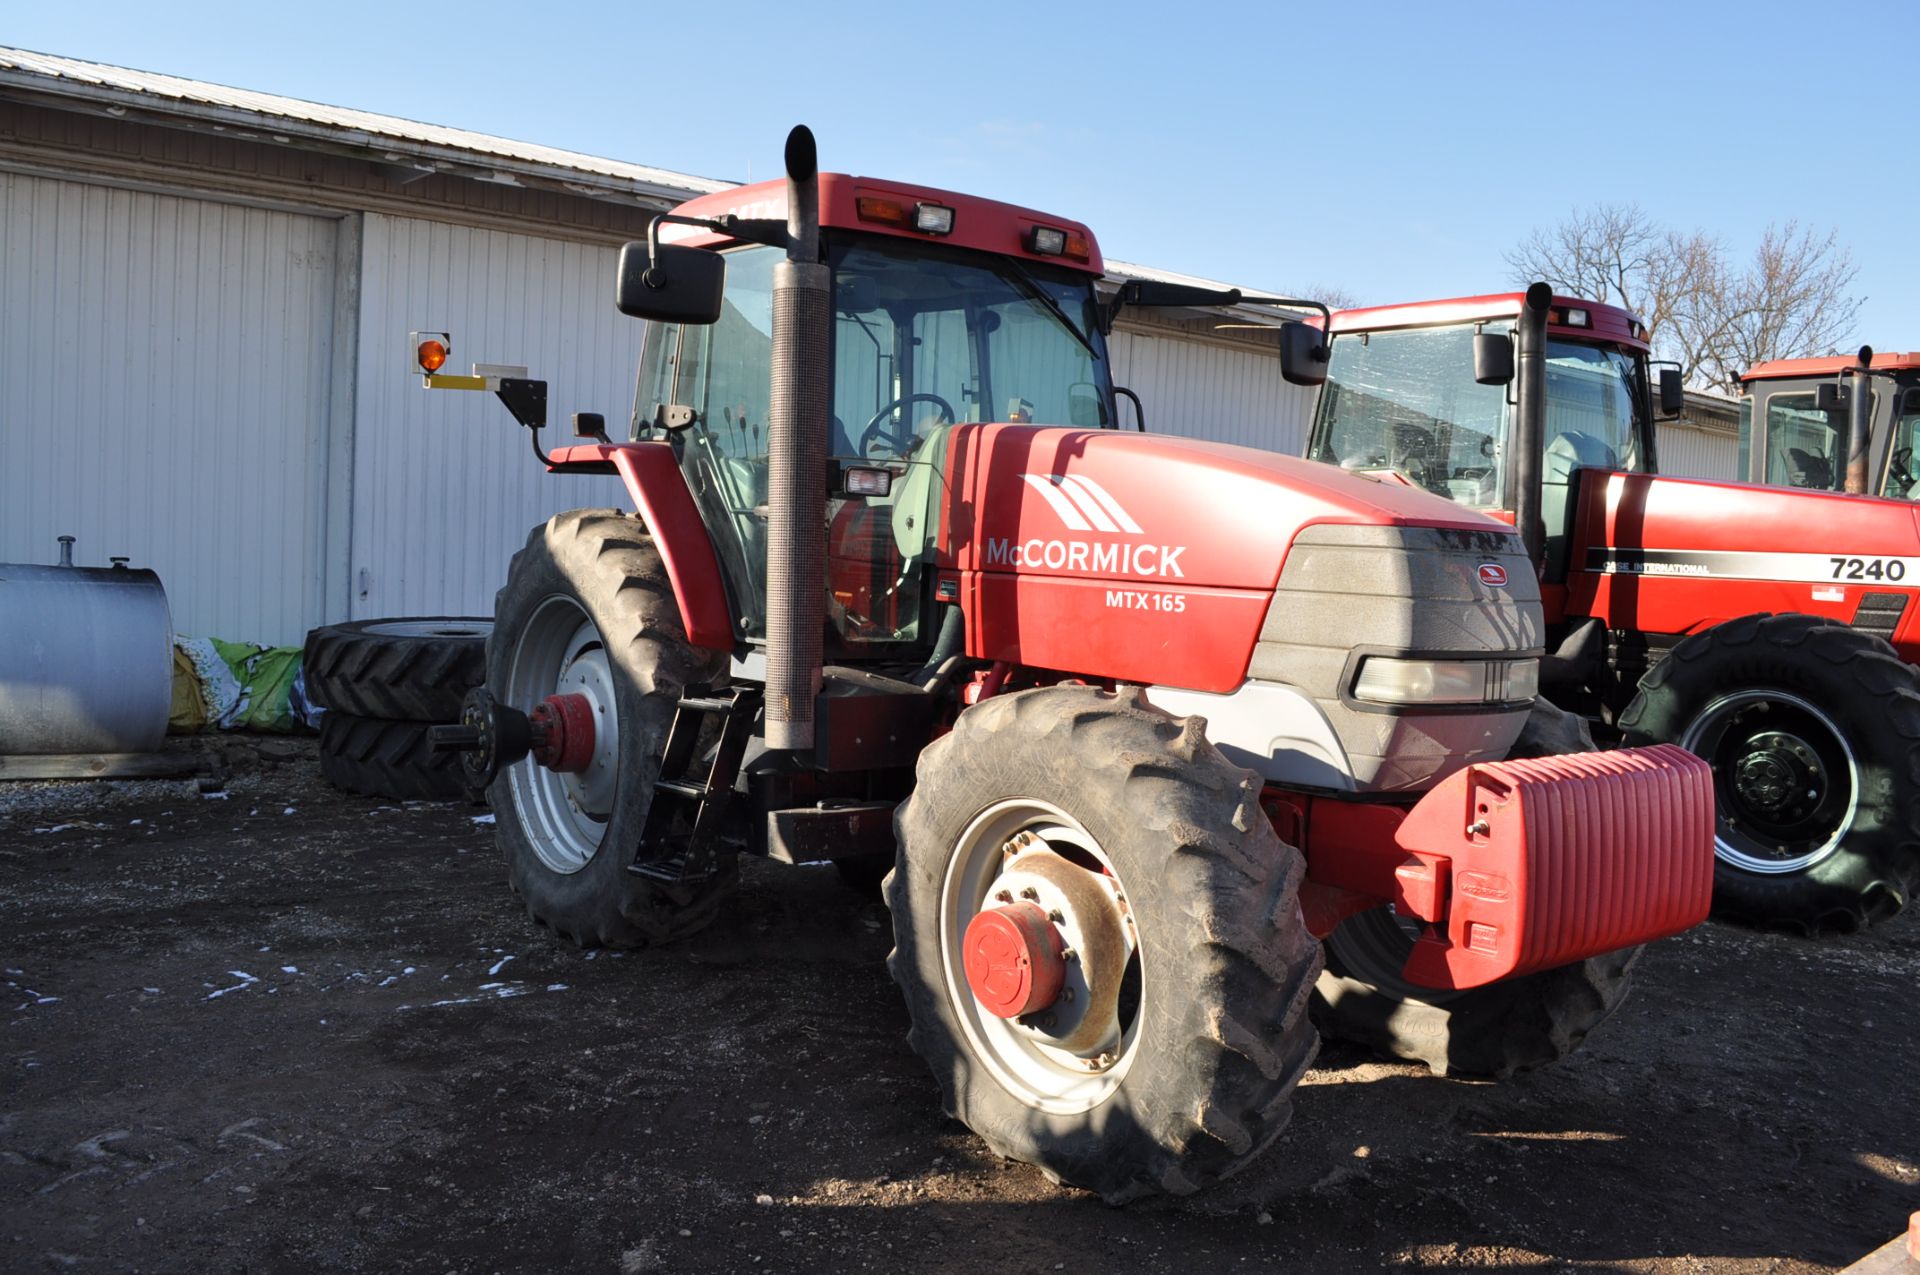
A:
x: 1696, y: 453
x: 148, y: 410
x: 445, y: 487
x: 1212, y: 388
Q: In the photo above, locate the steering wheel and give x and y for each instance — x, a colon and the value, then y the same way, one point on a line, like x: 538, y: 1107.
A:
x: 1901, y: 463
x: 901, y: 442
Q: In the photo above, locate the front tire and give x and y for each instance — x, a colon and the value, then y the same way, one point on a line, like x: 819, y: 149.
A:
x: 1486, y: 1032
x: 587, y: 609
x: 1813, y: 731
x: 1192, y: 1074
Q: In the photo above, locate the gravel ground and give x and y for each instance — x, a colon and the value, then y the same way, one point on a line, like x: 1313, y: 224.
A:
x: 289, y: 1029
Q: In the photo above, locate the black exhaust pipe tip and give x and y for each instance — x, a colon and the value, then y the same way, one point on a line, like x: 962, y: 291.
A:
x: 1866, y: 356
x: 1539, y: 296
x: 803, y: 157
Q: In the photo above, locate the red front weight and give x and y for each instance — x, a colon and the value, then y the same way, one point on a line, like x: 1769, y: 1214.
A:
x: 1015, y: 960
x: 566, y: 724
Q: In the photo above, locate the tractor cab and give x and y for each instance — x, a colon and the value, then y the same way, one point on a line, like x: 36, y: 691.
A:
x: 945, y: 310
x: 1796, y: 416
x: 1427, y: 394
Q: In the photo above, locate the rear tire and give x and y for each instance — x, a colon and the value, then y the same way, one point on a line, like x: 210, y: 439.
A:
x: 416, y: 670
x: 1813, y: 730
x: 1489, y: 1032
x: 1210, y: 1045
x: 587, y: 608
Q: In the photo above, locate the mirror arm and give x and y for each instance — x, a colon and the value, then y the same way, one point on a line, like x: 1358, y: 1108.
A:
x: 761, y: 230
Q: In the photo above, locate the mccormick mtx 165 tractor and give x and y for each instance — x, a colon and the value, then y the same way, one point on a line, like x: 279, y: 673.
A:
x: 1764, y: 629
x: 1135, y: 721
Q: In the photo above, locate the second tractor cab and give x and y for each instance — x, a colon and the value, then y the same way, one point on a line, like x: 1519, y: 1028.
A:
x: 1764, y: 629
x: 1129, y: 723
x: 1799, y: 426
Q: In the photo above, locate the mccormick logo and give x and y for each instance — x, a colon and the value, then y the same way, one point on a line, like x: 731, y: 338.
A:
x: 1493, y: 575
x: 1084, y: 505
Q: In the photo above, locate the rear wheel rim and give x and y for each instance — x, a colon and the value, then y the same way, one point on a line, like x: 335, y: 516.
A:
x: 559, y: 652
x: 1049, y: 1080
x: 1785, y: 780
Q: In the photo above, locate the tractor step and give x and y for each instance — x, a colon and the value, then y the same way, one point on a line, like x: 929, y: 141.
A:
x: 678, y: 843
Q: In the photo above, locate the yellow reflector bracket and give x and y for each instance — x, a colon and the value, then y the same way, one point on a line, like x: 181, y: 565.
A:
x: 435, y: 381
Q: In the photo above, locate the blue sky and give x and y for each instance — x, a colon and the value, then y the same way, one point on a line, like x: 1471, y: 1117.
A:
x: 1392, y: 150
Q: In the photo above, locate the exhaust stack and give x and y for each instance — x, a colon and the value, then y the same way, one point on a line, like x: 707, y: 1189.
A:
x: 1530, y: 420
x: 797, y: 422
x: 1859, y: 424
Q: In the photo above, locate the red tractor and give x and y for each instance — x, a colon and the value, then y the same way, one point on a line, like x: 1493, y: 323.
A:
x: 1768, y: 630
x: 1799, y: 426
x: 1134, y: 721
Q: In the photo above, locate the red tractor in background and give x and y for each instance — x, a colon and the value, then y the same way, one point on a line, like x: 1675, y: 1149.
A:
x: 1799, y: 426
x: 1135, y: 721
x: 1770, y: 631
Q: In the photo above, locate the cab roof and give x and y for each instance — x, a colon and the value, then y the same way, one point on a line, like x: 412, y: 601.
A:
x: 985, y: 225
x: 1780, y: 369
x: 1605, y: 322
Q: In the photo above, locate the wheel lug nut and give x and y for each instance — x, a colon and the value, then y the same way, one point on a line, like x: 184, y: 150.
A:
x: 1030, y: 894
x: 1057, y: 916
x: 1004, y: 896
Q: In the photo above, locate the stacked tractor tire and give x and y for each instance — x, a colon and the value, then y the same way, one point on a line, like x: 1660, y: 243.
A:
x: 384, y: 684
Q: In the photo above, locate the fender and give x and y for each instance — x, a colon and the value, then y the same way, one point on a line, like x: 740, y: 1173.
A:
x: 659, y: 492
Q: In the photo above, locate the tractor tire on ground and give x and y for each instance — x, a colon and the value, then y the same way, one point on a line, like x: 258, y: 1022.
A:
x: 1489, y: 1032
x: 1209, y: 1030
x: 1813, y: 731
x: 587, y: 609
x: 379, y: 757
x: 864, y: 874
x: 416, y: 670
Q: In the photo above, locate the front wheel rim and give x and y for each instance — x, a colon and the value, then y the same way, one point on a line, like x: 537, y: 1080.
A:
x: 1053, y: 1081
x: 1786, y: 783
x: 564, y: 815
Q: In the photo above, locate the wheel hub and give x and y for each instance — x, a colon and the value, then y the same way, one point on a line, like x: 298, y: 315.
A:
x: 1015, y: 960
x: 1780, y: 775
x: 1071, y: 927
x: 565, y: 732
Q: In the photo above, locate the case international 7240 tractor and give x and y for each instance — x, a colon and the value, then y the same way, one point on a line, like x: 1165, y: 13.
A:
x: 1769, y: 630
x: 1136, y: 721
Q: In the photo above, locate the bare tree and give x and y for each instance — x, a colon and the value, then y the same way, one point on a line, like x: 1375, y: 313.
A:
x: 1616, y: 254
x: 1794, y: 299
x: 1334, y: 298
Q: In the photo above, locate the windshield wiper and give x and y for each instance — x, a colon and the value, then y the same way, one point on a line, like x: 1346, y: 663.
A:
x: 1031, y: 286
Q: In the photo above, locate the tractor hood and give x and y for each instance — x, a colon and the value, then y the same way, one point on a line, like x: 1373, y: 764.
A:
x: 1104, y: 505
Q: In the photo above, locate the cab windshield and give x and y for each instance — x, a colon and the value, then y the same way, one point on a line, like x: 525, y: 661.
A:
x: 1406, y: 401
x: 923, y: 337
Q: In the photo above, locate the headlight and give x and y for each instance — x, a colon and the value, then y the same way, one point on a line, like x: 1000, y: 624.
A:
x: 1385, y: 680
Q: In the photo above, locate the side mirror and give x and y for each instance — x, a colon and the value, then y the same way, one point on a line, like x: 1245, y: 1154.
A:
x: 1673, y: 394
x: 681, y: 285
x: 1303, y: 354
x: 1492, y: 358
x: 1829, y: 398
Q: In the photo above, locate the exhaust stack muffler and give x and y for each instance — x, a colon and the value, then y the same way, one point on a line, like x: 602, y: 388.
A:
x: 797, y: 424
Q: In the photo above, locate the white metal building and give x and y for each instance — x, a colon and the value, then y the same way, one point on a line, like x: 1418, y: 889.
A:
x: 204, y: 299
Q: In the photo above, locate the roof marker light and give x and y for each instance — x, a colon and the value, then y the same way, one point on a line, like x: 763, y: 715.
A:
x: 889, y: 211
x: 1579, y: 319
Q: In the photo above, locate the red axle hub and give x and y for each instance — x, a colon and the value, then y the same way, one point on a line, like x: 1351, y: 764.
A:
x: 565, y: 723
x: 1015, y: 960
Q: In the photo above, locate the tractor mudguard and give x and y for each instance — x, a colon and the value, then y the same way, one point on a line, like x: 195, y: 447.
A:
x: 659, y: 491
